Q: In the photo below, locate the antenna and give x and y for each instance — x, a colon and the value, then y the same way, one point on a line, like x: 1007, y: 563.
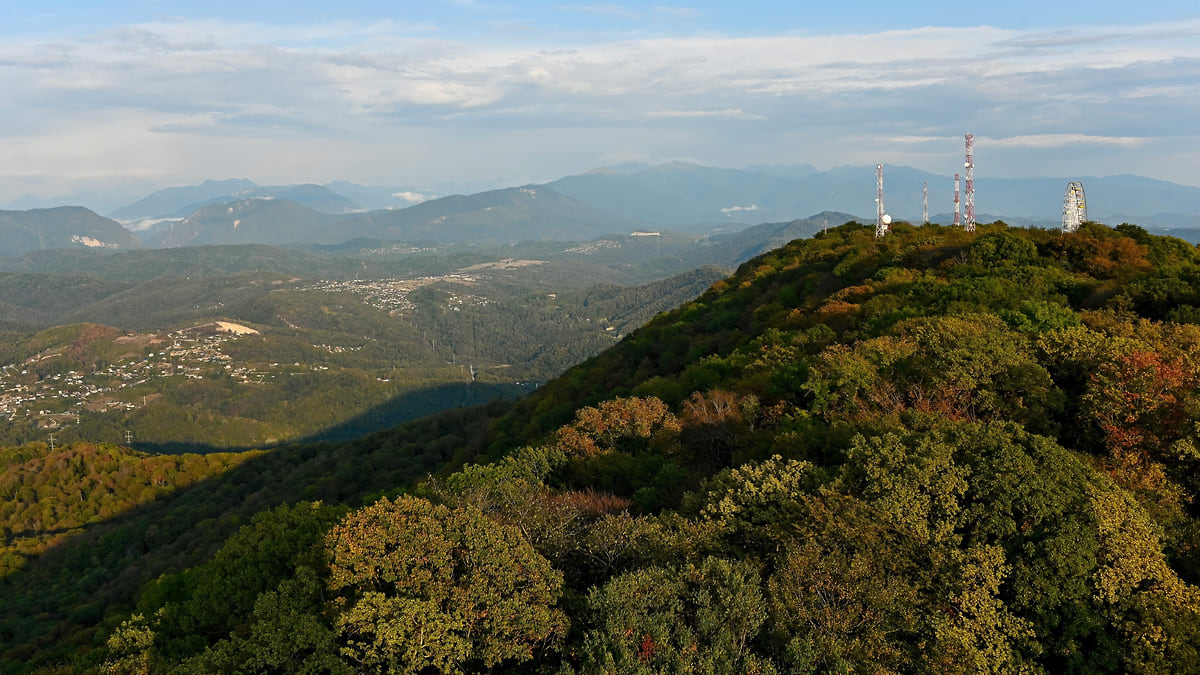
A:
x: 957, y: 206
x: 128, y: 437
x: 51, y: 440
x: 969, y: 226
x: 882, y: 220
x: 1074, y: 207
x: 925, y: 203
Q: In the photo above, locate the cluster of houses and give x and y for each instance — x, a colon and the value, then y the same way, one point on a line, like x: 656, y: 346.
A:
x: 49, y: 400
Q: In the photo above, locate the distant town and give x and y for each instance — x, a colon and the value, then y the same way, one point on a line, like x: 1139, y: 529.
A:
x: 391, y: 295
x: 50, y: 399
x: 53, y: 400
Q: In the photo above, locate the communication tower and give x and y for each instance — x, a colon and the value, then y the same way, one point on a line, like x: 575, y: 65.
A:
x: 1074, y: 207
x: 882, y: 220
x: 925, y: 203
x: 969, y: 225
x: 957, y: 205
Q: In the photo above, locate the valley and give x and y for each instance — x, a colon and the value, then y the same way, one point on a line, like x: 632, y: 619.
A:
x: 253, y: 359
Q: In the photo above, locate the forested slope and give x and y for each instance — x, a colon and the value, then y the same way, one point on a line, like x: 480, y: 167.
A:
x: 934, y: 452
x: 73, y: 569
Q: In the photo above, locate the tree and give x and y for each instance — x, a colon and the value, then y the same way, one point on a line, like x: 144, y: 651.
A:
x: 288, y: 634
x: 622, y: 423
x: 756, y: 505
x: 716, y: 423
x: 418, y: 586
x: 697, y: 619
x: 836, y: 606
x: 1146, y: 407
x: 1154, y: 613
x: 220, y: 595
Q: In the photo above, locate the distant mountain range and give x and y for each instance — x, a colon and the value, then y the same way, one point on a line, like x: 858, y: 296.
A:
x: 338, y: 197
x: 163, y: 203
x: 61, y: 227
x: 675, y: 196
x: 496, y: 216
x: 683, y: 195
x: 316, y: 197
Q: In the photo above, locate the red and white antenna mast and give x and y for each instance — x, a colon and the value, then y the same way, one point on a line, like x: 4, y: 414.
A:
x: 924, y: 203
x: 882, y: 220
x: 957, y: 206
x: 969, y: 226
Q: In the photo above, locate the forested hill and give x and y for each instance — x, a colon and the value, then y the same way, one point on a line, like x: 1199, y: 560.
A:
x: 937, y: 452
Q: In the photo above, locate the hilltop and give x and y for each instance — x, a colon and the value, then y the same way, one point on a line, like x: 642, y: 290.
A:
x: 932, y: 452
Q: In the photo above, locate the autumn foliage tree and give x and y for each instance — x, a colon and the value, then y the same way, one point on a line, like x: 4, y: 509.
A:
x: 619, y: 423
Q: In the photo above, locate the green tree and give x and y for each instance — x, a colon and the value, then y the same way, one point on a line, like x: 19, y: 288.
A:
x: 288, y: 634
x: 699, y: 619
x: 842, y: 606
x: 756, y: 505
x: 221, y: 594
x: 420, y: 586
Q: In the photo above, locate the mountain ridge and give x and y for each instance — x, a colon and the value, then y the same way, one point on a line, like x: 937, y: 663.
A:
x: 980, y: 443
x: 677, y: 196
x: 61, y: 227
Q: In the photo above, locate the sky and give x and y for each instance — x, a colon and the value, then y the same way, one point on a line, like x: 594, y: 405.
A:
x: 110, y: 100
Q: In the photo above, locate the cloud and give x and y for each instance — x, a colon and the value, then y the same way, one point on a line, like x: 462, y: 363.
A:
x: 736, y: 209
x: 601, y: 10
x: 679, y: 12
x: 387, y: 68
x: 411, y: 197
x: 164, y: 96
x: 1058, y: 141
x: 730, y: 113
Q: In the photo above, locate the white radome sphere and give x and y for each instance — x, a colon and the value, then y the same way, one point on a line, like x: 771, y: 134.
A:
x: 887, y: 220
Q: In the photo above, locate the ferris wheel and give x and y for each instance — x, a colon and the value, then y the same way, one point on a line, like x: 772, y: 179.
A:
x: 1074, y: 207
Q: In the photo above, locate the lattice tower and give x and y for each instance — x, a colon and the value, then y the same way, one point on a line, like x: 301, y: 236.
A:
x: 1074, y: 207
x: 957, y: 204
x: 925, y: 203
x: 881, y: 227
x: 969, y: 225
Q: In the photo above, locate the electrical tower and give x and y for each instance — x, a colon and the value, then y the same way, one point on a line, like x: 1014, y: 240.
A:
x: 957, y: 205
x: 969, y: 225
x: 924, y: 203
x: 881, y: 219
x: 1074, y: 207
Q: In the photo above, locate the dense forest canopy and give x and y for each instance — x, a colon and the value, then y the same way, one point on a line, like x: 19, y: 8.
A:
x: 937, y: 451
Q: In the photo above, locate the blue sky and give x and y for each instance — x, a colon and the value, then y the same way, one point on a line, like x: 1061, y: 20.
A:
x: 113, y: 99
